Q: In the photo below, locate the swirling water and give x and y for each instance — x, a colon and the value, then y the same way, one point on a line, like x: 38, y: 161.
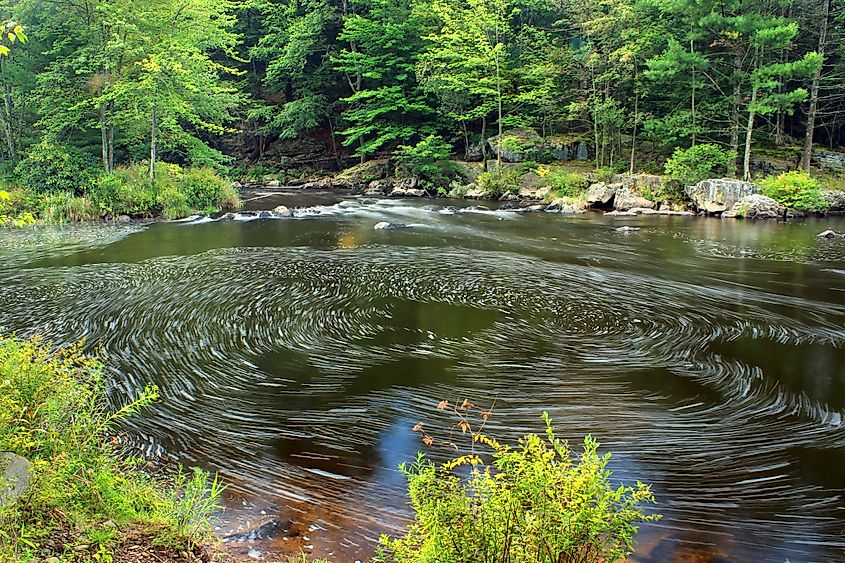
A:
x: 295, y: 355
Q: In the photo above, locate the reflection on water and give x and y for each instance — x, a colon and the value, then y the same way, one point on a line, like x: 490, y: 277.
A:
x: 294, y: 356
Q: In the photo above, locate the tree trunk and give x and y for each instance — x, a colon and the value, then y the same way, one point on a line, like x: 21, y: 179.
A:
x: 499, y: 91
x: 153, y: 127
x: 807, y: 153
x: 104, y: 137
x: 746, y: 161
x: 692, y: 98
x: 634, y: 133
x: 737, y: 99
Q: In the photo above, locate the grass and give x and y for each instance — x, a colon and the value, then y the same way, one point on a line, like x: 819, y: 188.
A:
x: 177, y: 192
x: 85, y: 498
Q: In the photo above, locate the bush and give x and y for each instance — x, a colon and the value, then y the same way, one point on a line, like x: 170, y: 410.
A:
x: 424, y: 160
x: 604, y: 175
x: 499, y: 181
x: 126, y: 191
x: 795, y: 190
x: 692, y: 165
x: 50, y: 168
x: 535, y: 498
x: 53, y: 412
x: 568, y: 184
x: 64, y: 207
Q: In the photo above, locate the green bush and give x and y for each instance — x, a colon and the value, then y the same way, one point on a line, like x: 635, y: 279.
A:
x: 604, y: 175
x: 692, y: 165
x: 499, y: 181
x: 126, y: 191
x: 568, y: 184
x: 795, y: 190
x: 538, y: 501
x: 53, y: 411
x: 424, y: 160
x: 64, y: 207
x: 51, y: 168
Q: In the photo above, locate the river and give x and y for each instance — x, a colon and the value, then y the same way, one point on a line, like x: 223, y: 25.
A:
x: 295, y: 355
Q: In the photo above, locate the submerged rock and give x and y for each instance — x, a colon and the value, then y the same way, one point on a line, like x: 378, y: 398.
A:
x: 627, y: 229
x: 719, y: 195
x: 829, y: 234
x: 14, y: 477
x: 384, y: 225
x: 755, y: 206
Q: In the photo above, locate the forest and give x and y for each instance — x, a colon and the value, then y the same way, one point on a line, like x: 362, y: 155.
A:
x: 215, y: 83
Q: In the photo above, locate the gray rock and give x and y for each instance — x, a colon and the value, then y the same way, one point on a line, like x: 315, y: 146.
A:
x: 407, y: 192
x: 719, y: 195
x: 626, y: 199
x: 835, y: 200
x: 283, y: 211
x: 385, y: 226
x: 626, y: 229
x: 123, y: 219
x: 617, y: 213
x: 755, y: 206
x: 829, y: 161
x: 601, y: 193
x: 14, y: 477
x: 829, y: 234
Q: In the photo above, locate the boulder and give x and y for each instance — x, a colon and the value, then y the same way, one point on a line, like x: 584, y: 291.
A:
x: 600, y: 194
x: 755, y: 206
x: 835, y: 200
x: 474, y: 192
x: 407, y: 187
x: 829, y: 234
x: 385, y: 226
x: 617, y: 213
x: 362, y: 174
x: 829, y: 161
x: 626, y: 229
x: 719, y: 195
x: 14, y: 477
x: 531, y: 187
x: 567, y: 206
x: 123, y: 219
x: 627, y: 198
x: 282, y: 211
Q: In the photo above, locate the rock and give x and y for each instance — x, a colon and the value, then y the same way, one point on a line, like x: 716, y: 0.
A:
x: 829, y: 161
x: 531, y: 187
x: 601, y: 194
x: 283, y: 211
x: 14, y: 477
x: 644, y: 211
x: 626, y: 229
x: 523, y: 144
x: 265, y: 215
x: 617, y: 213
x: 509, y: 197
x: 835, y: 200
x: 123, y: 219
x: 755, y: 206
x: 384, y: 226
x: 227, y: 217
x: 474, y: 192
x: 362, y: 174
x: 567, y: 206
x: 829, y: 234
x: 627, y: 198
x: 719, y: 195
x: 407, y: 187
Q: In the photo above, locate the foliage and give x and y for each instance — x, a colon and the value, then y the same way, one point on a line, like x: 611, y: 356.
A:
x: 499, y: 181
x: 53, y: 411
x: 795, y: 190
x: 63, y: 207
x: 52, y: 168
x: 536, y: 501
x: 567, y: 184
x: 604, y: 175
x: 692, y: 165
x: 425, y: 160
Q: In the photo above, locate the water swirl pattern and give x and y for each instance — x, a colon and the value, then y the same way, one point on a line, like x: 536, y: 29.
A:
x: 294, y: 356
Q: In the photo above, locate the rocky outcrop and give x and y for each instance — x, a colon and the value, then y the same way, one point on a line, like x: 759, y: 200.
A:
x: 523, y: 144
x: 361, y: 175
x: 755, y: 206
x: 567, y: 206
x: 14, y: 477
x: 627, y: 198
x: 835, y: 200
x: 531, y: 187
x: 829, y: 161
x: 601, y: 194
x: 719, y: 195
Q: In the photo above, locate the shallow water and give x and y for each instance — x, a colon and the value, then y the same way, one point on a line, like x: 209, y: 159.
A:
x: 295, y: 355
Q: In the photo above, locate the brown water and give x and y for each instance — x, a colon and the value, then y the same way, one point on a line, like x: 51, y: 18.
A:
x: 295, y: 355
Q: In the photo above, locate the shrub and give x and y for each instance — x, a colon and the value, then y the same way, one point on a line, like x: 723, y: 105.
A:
x: 126, y: 191
x: 173, y: 203
x: 51, y: 168
x: 499, y: 181
x: 568, y: 184
x: 53, y: 412
x: 698, y: 163
x: 604, y: 175
x: 424, y: 160
x: 795, y: 190
x: 536, y: 498
x: 64, y: 207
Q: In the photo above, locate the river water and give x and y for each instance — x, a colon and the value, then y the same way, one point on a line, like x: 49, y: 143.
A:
x: 295, y: 355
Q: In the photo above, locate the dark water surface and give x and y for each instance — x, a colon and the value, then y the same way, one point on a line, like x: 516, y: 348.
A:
x: 295, y: 355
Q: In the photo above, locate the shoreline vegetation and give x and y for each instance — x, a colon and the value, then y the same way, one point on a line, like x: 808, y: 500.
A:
x: 73, y: 493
